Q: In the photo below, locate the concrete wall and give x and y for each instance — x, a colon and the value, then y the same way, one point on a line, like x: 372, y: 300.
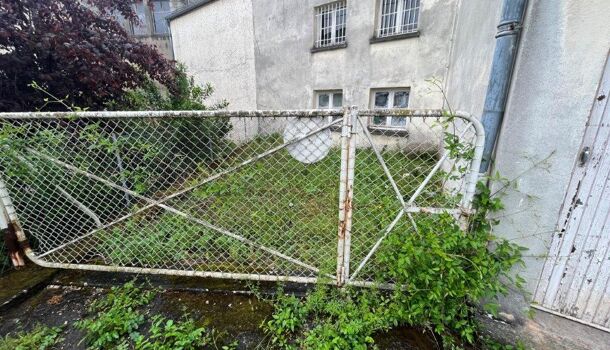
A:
x: 563, y: 50
x: 160, y: 41
x: 218, y: 48
x: 288, y: 73
x: 472, y: 54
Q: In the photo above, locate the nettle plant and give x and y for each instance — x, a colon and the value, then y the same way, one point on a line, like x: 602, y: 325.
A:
x: 443, y: 275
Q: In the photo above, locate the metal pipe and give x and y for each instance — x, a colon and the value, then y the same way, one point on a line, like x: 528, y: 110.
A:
x: 505, y: 53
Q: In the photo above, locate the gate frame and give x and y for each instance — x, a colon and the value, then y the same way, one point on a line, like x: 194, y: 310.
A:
x: 351, y: 117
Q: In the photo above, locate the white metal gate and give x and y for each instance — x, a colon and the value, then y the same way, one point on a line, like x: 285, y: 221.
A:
x: 575, y: 281
x: 186, y: 193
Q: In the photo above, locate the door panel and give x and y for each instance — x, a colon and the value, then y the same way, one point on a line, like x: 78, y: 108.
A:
x: 575, y: 277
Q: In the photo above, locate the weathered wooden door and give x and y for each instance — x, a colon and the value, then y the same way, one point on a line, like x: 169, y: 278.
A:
x: 576, y: 275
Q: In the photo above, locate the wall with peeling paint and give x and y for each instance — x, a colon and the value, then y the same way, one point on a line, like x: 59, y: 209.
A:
x: 563, y: 51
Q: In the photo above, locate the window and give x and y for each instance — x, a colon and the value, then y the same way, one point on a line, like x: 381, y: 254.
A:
x: 160, y: 10
x: 330, y: 24
x: 329, y: 100
x: 141, y: 27
x: 389, y: 98
x: 398, y: 17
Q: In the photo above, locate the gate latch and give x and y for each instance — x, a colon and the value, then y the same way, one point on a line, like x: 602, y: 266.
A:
x: 585, y: 155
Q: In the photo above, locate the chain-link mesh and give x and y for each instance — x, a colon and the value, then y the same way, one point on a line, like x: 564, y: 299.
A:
x: 403, y: 177
x: 224, y: 193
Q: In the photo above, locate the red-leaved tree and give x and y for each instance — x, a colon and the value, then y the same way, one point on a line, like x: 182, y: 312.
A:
x: 74, y: 50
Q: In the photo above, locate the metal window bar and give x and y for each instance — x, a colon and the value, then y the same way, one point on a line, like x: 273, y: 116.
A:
x: 331, y: 24
x: 205, y: 200
x: 398, y: 17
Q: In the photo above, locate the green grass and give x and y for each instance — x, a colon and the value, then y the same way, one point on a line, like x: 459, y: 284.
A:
x: 278, y: 202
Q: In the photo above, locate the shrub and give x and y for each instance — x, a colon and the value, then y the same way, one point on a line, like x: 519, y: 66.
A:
x: 441, y: 273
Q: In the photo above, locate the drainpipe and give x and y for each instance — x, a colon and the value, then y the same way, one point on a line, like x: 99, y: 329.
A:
x: 507, y: 44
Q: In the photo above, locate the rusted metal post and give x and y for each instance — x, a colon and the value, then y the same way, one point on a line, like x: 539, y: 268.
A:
x: 11, y: 215
x: 346, y: 192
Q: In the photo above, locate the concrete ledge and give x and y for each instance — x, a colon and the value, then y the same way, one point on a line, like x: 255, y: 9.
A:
x: 546, y: 331
x: 375, y: 39
x: 329, y: 48
x: 388, y: 132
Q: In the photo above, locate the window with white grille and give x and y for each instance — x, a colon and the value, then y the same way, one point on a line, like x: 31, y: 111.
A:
x: 398, y: 17
x: 331, y: 24
x: 388, y: 99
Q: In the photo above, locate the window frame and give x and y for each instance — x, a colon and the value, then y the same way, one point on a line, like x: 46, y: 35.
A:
x: 331, y: 102
x: 334, y: 8
x: 143, y: 28
x: 390, y: 105
x: 154, y: 17
x: 397, y: 30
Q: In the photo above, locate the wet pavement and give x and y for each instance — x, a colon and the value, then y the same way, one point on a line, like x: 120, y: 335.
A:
x: 56, y: 298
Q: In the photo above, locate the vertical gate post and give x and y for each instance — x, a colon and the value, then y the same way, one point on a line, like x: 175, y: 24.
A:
x: 346, y: 192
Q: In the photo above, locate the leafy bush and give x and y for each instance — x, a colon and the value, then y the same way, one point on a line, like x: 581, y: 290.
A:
x: 441, y: 273
x: 40, y: 338
x: 86, y: 56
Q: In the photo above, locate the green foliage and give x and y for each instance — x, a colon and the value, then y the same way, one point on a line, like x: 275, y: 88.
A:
x: 442, y: 273
x: 151, y: 96
x: 327, y: 318
x: 115, y: 317
x: 166, y: 334
x: 40, y: 338
x: 117, y: 322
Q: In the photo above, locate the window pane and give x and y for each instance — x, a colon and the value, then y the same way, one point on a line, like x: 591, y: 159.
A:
x: 410, y: 16
x: 160, y: 10
x: 379, y: 120
x: 340, y: 25
x: 389, y: 12
x: 398, y: 121
x: 330, y: 24
x: 338, y: 100
x: 323, y: 100
x: 401, y: 99
x: 140, y: 28
x: 381, y: 99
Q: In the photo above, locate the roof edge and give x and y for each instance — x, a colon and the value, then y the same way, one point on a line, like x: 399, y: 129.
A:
x: 186, y: 9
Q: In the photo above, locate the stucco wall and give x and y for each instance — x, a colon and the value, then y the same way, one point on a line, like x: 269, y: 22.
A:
x: 472, y: 54
x: 288, y: 73
x: 563, y: 50
x: 216, y: 44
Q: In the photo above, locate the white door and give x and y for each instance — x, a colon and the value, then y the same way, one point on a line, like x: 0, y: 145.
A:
x: 576, y: 274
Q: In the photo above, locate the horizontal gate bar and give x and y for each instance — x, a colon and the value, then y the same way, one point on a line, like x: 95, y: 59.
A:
x: 303, y: 113
x: 307, y: 113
